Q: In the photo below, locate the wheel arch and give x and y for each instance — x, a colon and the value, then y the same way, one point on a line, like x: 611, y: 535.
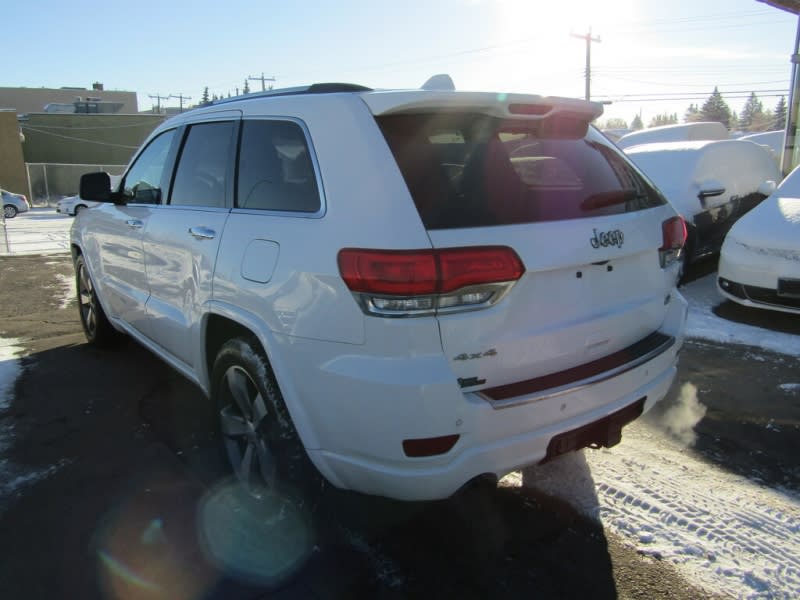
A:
x: 222, y: 325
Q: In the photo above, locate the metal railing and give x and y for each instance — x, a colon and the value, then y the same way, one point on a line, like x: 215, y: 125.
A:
x: 49, y: 182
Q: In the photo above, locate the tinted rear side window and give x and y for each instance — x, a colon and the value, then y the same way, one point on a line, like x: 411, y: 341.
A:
x: 275, y: 168
x: 471, y: 170
x: 201, y: 177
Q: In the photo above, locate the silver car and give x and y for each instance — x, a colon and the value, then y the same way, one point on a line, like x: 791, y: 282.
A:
x: 13, y: 204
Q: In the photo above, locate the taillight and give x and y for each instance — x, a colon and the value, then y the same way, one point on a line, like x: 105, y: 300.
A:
x: 674, y: 238
x: 399, y: 283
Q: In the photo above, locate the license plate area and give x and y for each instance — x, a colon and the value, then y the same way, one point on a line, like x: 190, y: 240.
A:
x: 604, y: 433
x: 789, y: 288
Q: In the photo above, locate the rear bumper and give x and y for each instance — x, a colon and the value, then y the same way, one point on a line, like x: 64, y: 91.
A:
x: 491, y: 440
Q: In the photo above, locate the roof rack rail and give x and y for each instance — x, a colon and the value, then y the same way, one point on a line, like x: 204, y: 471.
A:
x: 314, y: 88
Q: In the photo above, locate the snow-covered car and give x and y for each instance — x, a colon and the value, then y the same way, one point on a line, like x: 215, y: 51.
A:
x: 72, y: 205
x: 773, y: 140
x: 710, y: 183
x: 683, y: 132
x: 759, y: 264
x: 410, y: 288
x: 13, y: 204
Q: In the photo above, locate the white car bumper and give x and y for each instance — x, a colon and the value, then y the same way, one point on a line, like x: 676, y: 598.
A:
x: 373, y: 423
x: 751, y: 276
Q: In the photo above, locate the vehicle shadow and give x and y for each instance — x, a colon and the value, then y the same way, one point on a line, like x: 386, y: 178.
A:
x: 123, y: 514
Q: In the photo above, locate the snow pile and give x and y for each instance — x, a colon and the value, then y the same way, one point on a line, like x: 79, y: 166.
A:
x: 684, y: 132
x: 721, y: 531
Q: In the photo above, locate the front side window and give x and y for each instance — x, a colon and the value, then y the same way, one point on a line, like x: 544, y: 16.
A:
x: 201, y: 178
x: 472, y: 170
x: 275, y: 168
x: 142, y: 183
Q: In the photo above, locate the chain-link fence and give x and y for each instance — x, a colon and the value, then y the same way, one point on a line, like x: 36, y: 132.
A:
x: 49, y: 182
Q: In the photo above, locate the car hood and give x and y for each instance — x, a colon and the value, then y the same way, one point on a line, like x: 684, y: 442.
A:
x: 775, y: 224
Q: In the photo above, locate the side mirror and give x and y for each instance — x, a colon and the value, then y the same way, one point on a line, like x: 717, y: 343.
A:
x: 96, y: 186
x: 767, y: 188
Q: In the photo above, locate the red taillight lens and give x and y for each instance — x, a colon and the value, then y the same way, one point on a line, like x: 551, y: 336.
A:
x: 460, y: 267
x: 389, y: 272
x: 674, y: 232
x: 419, y: 282
x: 674, y: 238
x: 420, y: 272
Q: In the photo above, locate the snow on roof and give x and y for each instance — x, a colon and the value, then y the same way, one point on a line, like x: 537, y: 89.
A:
x: 675, y: 133
x: 772, y: 139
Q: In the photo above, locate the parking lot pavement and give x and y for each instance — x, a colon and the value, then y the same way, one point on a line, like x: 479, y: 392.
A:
x: 39, y: 231
x: 107, y: 467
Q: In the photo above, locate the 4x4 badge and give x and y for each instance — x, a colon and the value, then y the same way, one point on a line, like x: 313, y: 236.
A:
x: 614, y: 237
x: 471, y: 356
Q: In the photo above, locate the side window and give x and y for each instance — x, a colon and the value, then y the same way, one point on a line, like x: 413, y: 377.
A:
x: 143, y: 180
x: 201, y: 178
x: 275, y: 168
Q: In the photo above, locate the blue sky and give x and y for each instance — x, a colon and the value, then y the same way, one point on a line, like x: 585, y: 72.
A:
x: 667, y: 50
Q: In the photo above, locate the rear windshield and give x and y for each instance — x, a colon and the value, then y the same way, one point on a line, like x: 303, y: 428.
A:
x: 472, y: 170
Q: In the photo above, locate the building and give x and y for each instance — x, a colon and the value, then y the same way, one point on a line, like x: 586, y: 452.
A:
x: 82, y: 100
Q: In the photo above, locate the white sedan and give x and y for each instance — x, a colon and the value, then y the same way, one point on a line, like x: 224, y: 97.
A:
x: 759, y: 264
x: 72, y: 205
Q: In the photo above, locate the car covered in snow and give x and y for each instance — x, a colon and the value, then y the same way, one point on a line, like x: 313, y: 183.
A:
x: 684, y: 132
x: 411, y: 289
x: 759, y: 264
x: 772, y: 140
x: 72, y: 205
x: 13, y: 204
x: 710, y: 183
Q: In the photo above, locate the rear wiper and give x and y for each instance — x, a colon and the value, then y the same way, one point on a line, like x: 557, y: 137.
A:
x: 611, y: 198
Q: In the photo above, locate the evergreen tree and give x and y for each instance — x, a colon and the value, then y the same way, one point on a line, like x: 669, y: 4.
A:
x: 637, y: 124
x: 204, y: 100
x: 734, y: 117
x: 692, y: 114
x: 779, y: 118
x: 665, y: 119
x: 716, y: 109
x: 246, y: 88
x: 615, y: 123
x: 752, y: 113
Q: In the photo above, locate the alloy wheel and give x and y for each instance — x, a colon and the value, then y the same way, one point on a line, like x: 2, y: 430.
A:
x: 244, y: 429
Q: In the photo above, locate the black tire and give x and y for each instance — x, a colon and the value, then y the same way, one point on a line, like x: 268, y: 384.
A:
x: 9, y: 211
x: 252, y: 418
x: 96, y: 327
x: 78, y: 209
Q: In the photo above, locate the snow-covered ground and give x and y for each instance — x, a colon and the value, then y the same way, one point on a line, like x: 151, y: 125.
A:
x: 724, y: 532
x: 39, y: 231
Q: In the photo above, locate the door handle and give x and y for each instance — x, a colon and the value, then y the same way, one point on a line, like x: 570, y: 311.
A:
x: 202, y: 233
x: 134, y: 223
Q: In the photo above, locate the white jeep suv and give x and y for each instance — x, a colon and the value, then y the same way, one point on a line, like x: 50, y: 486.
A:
x: 411, y: 289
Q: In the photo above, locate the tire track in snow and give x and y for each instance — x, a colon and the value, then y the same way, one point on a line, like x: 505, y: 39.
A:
x: 727, y: 533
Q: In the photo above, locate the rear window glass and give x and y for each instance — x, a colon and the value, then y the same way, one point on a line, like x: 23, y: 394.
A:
x: 471, y: 170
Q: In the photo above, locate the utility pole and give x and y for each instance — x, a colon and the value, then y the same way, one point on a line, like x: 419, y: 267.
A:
x: 263, y: 81
x: 589, y: 39
x: 158, y: 101
x: 180, y: 98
